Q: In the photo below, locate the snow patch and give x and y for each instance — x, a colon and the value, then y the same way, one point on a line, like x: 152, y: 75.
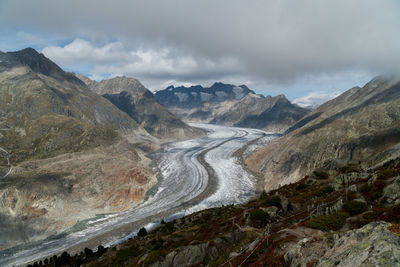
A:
x: 205, y: 96
x: 182, y: 96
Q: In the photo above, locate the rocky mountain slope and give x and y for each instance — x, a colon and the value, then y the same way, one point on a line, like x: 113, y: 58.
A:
x: 352, y: 220
x: 361, y: 125
x: 66, y: 152
x: 130, y: 96
x: 231, y: 105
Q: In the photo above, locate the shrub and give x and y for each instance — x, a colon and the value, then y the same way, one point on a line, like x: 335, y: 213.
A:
x: 386, y: 174
x: 273, y: 201
x: 373, y: 192
x: 142, y: 232
x: 302, y: 186
x: 263, y: 195
x: 259, y: 216
x: 321, y: 175
x: 328, y: 222
x: 355, y: 207
x: 327, y: 190
x: 88, y: 252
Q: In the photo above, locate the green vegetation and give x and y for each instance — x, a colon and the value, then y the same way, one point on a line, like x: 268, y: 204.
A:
x: 302, y: 186
x: 321, y: 175
x: 259, y: 217
x: 273, y: 201
x: 355, y: 207
x: 328, y: 222
x: 387, y: 173
x: 327, y: 190
x: 142, y: 232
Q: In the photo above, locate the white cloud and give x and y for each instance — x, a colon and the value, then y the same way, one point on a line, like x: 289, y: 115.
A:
x: 152, y: 67
x: 314, y: 99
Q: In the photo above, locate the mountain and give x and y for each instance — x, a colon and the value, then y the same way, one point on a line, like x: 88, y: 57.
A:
x: 231, y: 105
x: 66, y: 153
x: 361, y: 126
x: 131, y: 97
x: 196, y: 96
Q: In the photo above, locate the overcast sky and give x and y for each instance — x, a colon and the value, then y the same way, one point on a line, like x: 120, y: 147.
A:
x: 310, y: 50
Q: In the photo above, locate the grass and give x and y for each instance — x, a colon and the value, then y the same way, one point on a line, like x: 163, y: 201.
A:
x: 329, y: 222
x: 354, y: 207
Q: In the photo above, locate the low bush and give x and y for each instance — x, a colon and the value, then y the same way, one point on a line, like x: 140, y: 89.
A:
x: 386, y: 174
x: 273, y: 201
x: 373, y: 192
x: 321, y: 175
x: 259, y: 217
x: 327, y: 190
x: 328, y: 222
x: 302, y: 186
x: 355, y: 207
x: 142, y: 232
x: 263, y: 196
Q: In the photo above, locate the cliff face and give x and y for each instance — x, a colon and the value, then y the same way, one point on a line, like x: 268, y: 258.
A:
x: 231, y: 105
x: 131, y: 97
x: 66, y: 152
x: 361, y: 125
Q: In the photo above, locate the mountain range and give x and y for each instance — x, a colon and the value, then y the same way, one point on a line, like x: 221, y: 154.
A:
x: 361, y: 126
x: 131, y: 97
x: 231, y: 105
x: 69, y: 152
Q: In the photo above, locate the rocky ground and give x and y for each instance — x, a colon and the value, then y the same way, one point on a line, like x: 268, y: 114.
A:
x: 359, y: 126
x: 345, y: 218
x: 46, y: 196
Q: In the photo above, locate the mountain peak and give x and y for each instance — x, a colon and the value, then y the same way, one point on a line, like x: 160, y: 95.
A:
x: 38, y: 63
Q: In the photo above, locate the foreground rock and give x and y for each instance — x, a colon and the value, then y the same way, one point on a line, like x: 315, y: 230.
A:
x: 372, y: 245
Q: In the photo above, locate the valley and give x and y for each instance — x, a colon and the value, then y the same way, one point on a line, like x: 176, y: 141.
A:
x: 194, y: 175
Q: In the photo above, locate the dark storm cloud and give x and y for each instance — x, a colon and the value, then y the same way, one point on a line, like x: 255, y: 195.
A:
x: 275, y: 41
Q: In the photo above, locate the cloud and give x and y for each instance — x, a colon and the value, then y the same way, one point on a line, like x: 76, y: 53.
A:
x: 275, y: 42
x: 314, y: 99
x: 152, y: 66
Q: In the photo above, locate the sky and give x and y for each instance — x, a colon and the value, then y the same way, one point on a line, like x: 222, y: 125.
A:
x: 309, y: 50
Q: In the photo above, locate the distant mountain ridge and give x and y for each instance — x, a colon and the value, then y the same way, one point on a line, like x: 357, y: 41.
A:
x: 231, y: 105
x: 195, y: 96
x: 131, y: 97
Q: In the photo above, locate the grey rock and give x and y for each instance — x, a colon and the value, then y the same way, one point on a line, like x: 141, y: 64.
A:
x: 392, y: 191
x: 372, y: 245
x: 372, y: 180
x: 272, y: 211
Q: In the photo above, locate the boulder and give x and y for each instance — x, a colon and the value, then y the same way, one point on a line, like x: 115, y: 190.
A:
x: 272, y: 211
x: 392, y: 191
x: 371, y: 245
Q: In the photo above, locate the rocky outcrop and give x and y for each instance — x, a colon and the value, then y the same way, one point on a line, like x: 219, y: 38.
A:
x: 372, y: 245
x: 360, y: 126
x: 231, y: 105
x: 131, y: 97
x: 392, y: 191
